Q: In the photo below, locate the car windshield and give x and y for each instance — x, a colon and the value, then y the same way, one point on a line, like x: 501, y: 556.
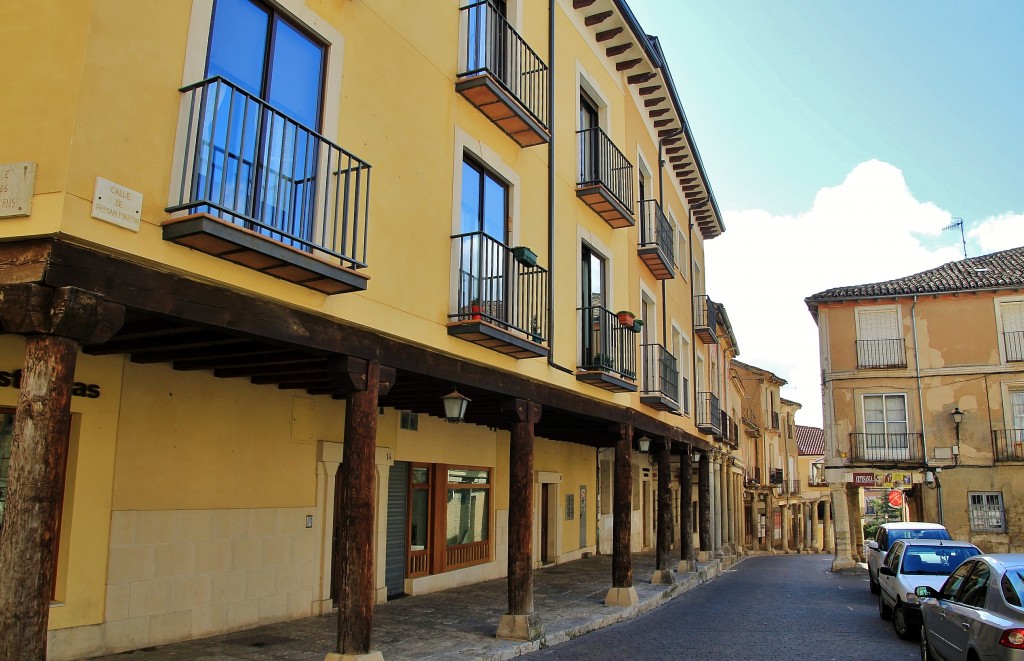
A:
x: 935, y: 560
x: 929, y: 533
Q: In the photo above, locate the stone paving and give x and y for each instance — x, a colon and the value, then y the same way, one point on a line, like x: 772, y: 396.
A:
x: 455, y: 624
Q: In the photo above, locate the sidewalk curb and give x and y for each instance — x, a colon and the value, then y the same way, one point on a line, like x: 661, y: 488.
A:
x: 684, y: 583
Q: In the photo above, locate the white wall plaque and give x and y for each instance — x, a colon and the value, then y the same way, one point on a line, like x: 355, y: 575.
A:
x: 116, y: 204
x: 17, y: 183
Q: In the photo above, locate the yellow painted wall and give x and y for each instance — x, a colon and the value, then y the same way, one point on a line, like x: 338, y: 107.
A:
x: 578, y: 467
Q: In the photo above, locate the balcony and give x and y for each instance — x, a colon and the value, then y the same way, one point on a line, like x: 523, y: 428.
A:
x: 656, y: 240
x: 775, y: 477
x: 609, y: 351
x: 881, y: 354
x: 606, y: 178
x: 261, y: 190
x: 500, y: 301
x: 705, y: 322
x: 790, y: 486
x: 660, y: 385
x: 708, y: 416
x: 1008, y: 444
x: 817, y: 477
x: 889, y: 448
x: 752, y: 476
x: 504, y: 78
x: 1013, y: 346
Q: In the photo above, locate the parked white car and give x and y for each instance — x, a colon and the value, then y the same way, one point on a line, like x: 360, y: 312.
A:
x: 909, y: 564
x: 888, y: 533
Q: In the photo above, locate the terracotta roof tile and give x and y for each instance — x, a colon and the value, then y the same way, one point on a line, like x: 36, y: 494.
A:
x: 810, y: 440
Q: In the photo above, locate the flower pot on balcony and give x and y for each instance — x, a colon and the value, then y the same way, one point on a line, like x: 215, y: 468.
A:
x: 474, y: 307
x: 626, y: 318
x: 638, y: 324
x: 524, y: 256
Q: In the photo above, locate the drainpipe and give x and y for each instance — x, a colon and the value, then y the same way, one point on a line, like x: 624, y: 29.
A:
x: 551, y: 190
x: 920, y: 402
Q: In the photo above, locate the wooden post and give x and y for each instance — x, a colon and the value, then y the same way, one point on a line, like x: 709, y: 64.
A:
x: 56, y: 322
x: 521, y: 622
x: 358, y: 496
x: 686, y: 559
x: 662, y: 572
x: 704, y: 505
x: 622, y: 592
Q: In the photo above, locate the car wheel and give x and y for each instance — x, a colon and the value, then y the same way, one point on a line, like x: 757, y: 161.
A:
x: 926, y: 654
x: 884, y: 611
x: 873, y: 584
x: 899, y: 623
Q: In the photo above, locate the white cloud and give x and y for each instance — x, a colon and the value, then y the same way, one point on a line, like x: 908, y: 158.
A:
x: 867, y: 229
x: 999, y: 233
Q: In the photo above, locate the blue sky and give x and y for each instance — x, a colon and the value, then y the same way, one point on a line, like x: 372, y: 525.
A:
x: 839, y: 138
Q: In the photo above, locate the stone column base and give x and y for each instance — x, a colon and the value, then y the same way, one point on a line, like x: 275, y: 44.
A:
x: 704, y: 556
x: 843, y: 563
x: 686, y: 565
x: 663, y: 577
x: 621, y: 597
x: 369, y: 656
x: 520, y: 627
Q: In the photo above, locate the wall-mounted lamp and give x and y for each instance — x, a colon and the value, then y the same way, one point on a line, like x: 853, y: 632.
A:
x: 694, y: 454
x: 455, y: 404
x: 644, y: 443
x: 958, y: 417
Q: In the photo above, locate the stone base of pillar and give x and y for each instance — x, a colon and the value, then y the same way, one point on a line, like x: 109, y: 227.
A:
x: 621, y: 597
x: 663, y: 577
x: 719, y: 554
x: 840, y: 564
x: 686, y: 565
x: 369, y: 656
x: 705, y: 556
x: 520, y: 627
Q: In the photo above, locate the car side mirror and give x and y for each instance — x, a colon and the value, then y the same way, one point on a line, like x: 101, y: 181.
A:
x: 873, y: 545
x: 927, y: 592
x: 885, y: 571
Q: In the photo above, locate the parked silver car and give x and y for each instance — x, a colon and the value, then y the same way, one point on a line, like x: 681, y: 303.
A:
x: 977, y: 613
x: 911, y: 563
x: 888, y: 533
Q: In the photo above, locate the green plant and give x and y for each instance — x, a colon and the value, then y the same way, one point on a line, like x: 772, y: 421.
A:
x: 884, y: 513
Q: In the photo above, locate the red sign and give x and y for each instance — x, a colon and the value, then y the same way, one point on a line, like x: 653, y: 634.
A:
x: 896, y: 498
x: 864, y: 479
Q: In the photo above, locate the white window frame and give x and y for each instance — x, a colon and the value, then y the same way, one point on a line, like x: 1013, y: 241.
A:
x: 1006, y: 356
x: 986, y: 511
x: 868, y: 358
x: 887, y: 451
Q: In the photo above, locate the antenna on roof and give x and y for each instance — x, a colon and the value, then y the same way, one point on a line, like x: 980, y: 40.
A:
x: 958, y: 222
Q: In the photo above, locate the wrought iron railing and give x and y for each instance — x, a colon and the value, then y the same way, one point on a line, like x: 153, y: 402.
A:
x: 660, y: 372
x: 881, y: 353
x: 790, y: 486
x: 708, y: 415
x: 817, y: 477
x: 493, y: 286
x: 602, y: 163
x: 887, y: 447
x: 250, y: 164
x: 775, y: 477
x: 752, y: 476
x: 704, y: 314
x: 655, y: 229
x: 1008, y: 444
x: 1013, y: 345
x: 607, y: 344
x: 492, y: 45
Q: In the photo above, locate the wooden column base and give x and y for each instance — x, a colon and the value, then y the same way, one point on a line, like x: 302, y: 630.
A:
x: 622, y: 597
x: 369, y: 656
x: 520, y: 627
x: 663, y: 577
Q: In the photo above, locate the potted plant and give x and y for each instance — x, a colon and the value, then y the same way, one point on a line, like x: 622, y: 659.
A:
x: 603, y: 360
x: 626, y: 318
x: 637, y: 325
x: 474, y: 307
x: 524, y: 256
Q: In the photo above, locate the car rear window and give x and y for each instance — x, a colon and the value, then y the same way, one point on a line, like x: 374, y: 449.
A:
x: 928, y: 533
x: 935, y: 560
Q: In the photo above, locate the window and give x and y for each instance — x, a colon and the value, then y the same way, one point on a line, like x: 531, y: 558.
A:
x: 986, y: 511
x: 484, y: 202
x: 410, y: 421
x: 570, y: 506
x: 483, y: 258
x: 468, y: 506
x: 1011, y: 314
x: 885, y: 427
x: 879, y: 340
x: 589, y: 139
x: 596, y: 352
x: 259, y: 152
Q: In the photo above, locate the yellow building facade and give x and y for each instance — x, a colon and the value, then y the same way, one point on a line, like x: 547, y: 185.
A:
x: 285, y: 230
x: 921, y: 378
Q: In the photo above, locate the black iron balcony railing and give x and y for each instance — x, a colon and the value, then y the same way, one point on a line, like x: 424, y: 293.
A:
x: 1013, y: 345
x: 1008, y: 444
x: 705, y: 320
x: 661, y: 376
x: 887, y: 447
x: 881, y: 353
x: 496, y: 288
x: 708, y: 416
x: 775, y: 476
x: 250, y: 164
x: 607, y: 345
x: 752, y: 476
x: 602, y: 163
x: 493, y: 46
x: 655, y: 229
x: 817, y: 477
